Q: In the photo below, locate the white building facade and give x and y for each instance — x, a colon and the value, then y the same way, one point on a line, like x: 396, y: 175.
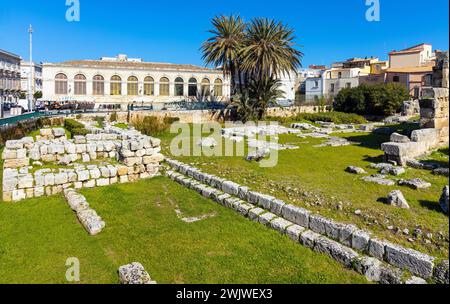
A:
x: 120, y: 81
x: 36, y: 77
x: 9, y: 78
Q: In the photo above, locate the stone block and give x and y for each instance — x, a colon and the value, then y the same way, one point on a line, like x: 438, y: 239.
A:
x: 83, y: 175
x: 280, y: 224
x: 296, y: 215
x: 102, y: 182
x: 244, y: 208
x: 276, y: 206
x: 308, y: 238
x: 255, y: 213
x: 416, y: 262
x: 61, y: 178
x: 340, y: 253
x: 10, y: 184
x: 369, y: 267
x: 89, y: 183
x: 441, y: 272
x: 294, y: 232
x: 360, y: 240
x: 377, y: 248
x: 266, y: 218
x: 230, y: 188
x: 134, y: 274
x: 123, y: 179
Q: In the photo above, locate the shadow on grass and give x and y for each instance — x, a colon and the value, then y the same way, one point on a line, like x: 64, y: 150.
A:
x: 374, y: 159
x: 371, y: 141
x: 383, y: 200
x: 433, y: 206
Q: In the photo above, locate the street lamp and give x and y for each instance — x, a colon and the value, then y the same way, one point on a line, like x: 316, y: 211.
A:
x: 30, y: 76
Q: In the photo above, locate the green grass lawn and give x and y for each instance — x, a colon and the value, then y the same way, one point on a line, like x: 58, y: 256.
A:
x: 315, y: 178
x: 38, y: 235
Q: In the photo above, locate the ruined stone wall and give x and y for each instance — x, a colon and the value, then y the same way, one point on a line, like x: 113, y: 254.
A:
x: 434, y: 111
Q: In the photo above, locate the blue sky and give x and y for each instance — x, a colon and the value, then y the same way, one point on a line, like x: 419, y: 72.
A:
x: 172, y: 31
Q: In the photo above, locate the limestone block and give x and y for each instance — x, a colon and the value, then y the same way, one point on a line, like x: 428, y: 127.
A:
x: 58, y: 132
x: 89, y: 183
x: 9, y: 154
x: 7, y: 196
x: 398, y: 138
x: 444, y: 200
x: 416, y: 262
x: 14, y: 144
x: 48, y: 158
x: 46, y: 132
x: 360, y: 240
x: 377, y: 248
x: 131, y: 161
x: 29, y: 192
x: 346, y: 234
x: 230, y: 188
x: 415, y: 281
x: 91, y: 221
x: 81, y: 148
x: 244, y: 208
x: 340, y: 253
x: 104, y: 171
x: 276, y: 206
x: 78, y: 185
x: 308, y: 238
x: 133, y: 177
x: 18, y: 195
x: 25, y: 181
x: 10, y: 184
x: 243, y: 193
x: 396, y: 198
x: 136, y: 145
x: 35, y: 154
x: 57, y: 189
x: 61, y: 178
x: 296, y: 215
x: 294, y: 231
x: 280, y: 224
x: 122, y: 170
x: 78, y: 139
x: 266, y: 218
x: 123, y: 179
x: 72, y: 177
x: 83, y: 175
x: 134, y: 274
x: 16, y: 163
x: 43, y: 149
x: 95, y: 173
x: 102, y: 182
x: 112, y: 170
x: 113, y: 180
x: 265, y: 201
x: 369, y: 267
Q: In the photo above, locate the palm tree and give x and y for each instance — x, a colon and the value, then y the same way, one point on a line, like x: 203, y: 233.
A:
x: 269, y: 50
x: 223, y: 48
x: 264, y: 92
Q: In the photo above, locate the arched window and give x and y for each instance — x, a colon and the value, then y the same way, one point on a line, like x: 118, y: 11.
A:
x: 80, y: 85
x: 116, y: 85
x: 98, y: 85
x: 132, y: 86
x: 179, y: 86
x: 164, y: 86
x: 60, y: 84
x: 149, y: 86
x: 218, y: 92
x: 205, y: 87
x: 192, y: 87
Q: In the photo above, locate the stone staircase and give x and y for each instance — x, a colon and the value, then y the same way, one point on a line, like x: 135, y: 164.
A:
x: 378, y: 260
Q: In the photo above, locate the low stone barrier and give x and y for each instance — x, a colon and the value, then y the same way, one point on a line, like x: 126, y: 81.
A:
x: 86, y: 215
x: 309, y: 227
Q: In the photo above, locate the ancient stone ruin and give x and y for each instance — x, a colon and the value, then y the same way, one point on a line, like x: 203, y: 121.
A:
x: 121, y: 156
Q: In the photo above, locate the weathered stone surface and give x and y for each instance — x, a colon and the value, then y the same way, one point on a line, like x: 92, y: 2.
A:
x: 398, y: 138
x: 377, y: 248
x: 390, y: 275
x: 346, y: 235
x: 360, y: 240
x: 378, y: 179
x: 441, y: 272
x: 296, y: 215
x: 355, y: 170
x: 369, y: 267
x: 443, y: 201
x: 415, y: 183
x: 417, y: 263
x: 276, y: 206
x: 441, y: 171
x: 255, y: 213
x: 308, y: 238
x: 396, y: 198
x: 294, y: 232
x: 340, y: 253
x: 83, y: 175
x: 134, y: 274
x: 266, y: 218
x: 230, y: 188
x: 91, y: 221
x: 280, y: 224
x: 244, y: 208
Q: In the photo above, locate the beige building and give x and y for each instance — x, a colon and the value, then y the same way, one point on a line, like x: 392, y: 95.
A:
x: 119, y: 81
x: 9, y: 78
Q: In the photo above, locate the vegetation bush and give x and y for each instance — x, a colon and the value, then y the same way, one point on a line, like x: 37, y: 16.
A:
x: 100, y: 121
x: 154, y: 126
x: 379, y: 99
x: 19, y: 130
x: 335, y: 117
x: 75, y: 127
